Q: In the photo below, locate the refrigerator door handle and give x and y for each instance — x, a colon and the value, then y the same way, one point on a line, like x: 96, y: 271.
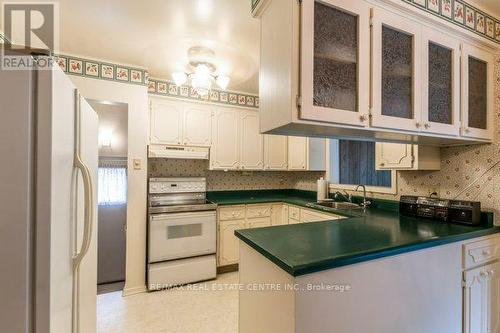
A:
x: 88, y: 213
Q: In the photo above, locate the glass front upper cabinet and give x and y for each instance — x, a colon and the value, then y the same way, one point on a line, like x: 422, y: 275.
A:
x: 396, y: 72
x: 335, y: 61
x: 477, y: 93
x: 440, y: 83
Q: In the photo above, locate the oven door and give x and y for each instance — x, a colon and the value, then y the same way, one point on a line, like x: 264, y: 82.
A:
x: 181, y: 235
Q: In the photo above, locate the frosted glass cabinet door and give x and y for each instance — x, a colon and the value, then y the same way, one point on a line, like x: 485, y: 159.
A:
x: 335, y: 61
x: 396, y: 71
x: 477, y: 93
x: 440, y: 83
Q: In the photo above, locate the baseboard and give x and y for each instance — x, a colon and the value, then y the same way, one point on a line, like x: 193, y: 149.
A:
x: 134, y: 290
x: 227, y: 269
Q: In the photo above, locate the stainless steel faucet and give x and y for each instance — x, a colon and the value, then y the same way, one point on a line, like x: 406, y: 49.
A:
x: 346, y: 195
x: 365, y: 202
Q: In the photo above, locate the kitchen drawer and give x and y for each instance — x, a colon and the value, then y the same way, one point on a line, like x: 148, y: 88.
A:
x: 480, y: 252
x: 259, y: 222
x: 254, y: 211
x: 294, y: 213
x: 312, y: 216
x: 231, y: 213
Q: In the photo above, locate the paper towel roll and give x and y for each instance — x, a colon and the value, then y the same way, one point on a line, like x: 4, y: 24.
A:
x: 322, y: 191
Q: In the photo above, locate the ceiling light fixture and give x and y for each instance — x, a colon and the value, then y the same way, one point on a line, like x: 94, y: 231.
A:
x: 203, y: 73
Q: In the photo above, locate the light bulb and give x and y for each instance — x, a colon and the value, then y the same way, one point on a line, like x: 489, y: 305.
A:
x: 106, y: 137
x: 222, y: 81
x: 179, y: 78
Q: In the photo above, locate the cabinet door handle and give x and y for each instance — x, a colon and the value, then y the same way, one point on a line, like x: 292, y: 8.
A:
x: 363, y: 117
x: 417, y: 125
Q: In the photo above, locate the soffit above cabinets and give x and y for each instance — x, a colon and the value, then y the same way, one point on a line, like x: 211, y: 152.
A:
x: 157, y: 34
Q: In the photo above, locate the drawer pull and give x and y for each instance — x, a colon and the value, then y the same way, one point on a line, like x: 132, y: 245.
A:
x: 486, y: 252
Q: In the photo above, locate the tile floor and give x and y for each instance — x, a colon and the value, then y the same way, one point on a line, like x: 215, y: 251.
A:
x: 172, y: 311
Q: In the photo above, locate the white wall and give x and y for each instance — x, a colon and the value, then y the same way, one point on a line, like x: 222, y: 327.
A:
x: 137, y: 99
x: 113, y: 117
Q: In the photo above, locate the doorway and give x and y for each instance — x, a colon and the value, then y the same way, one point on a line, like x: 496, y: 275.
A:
x: 112, y: 194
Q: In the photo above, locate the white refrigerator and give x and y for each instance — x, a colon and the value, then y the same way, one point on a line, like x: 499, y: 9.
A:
x: 48, y: 204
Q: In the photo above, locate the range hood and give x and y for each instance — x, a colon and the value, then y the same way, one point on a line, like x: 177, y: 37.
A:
x: 178, y: 152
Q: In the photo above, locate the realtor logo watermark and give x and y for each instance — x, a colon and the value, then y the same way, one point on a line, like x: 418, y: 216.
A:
x: 29, y: 28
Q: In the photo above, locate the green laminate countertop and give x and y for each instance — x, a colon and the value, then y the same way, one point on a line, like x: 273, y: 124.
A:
x: 378, y: 232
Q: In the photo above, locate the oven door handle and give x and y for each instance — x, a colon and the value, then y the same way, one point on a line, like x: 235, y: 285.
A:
x: 173, y: 216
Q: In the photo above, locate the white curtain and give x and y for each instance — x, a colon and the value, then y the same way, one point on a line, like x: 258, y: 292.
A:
x: 112, y: 186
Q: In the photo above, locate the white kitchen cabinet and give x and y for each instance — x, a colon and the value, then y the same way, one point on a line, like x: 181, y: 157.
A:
x: 252, y: 145
x: 395, y: 156
x: 440, y: 83
x: 279, y: 214
x: 297, y: 153
x: 166, y: 120
x: 180, y: 123
x: 275, y: 152
x: 396, y: 55
x: 477, y: 93
x: 228, y: 251
x: 306, y: 154
x: 225, y: 150
x: 482, y: 299
x: 335, y: 61
x: 197, y: 130
x: 401, y: 97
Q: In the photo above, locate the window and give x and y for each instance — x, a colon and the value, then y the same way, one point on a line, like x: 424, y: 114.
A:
x: 353, y: 162
x: 112, y: 186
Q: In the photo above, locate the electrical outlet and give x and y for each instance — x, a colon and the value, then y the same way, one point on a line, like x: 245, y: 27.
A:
x: 137, y: 164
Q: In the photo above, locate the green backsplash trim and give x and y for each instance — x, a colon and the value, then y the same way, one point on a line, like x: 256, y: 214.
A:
x: 170, y: 89
x: 458, y: 12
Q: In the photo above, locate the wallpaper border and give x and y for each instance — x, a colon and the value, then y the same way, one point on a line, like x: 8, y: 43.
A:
x: 458, y: 12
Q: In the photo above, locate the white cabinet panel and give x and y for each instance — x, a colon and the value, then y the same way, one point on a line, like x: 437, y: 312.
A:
x: 166, y: 122
x: 297, y: 153
x: 393, y: 156
x: 275, y: 152
x: 225, y: 151
x: 477, y: 93
x: 197, y: 125
x: 228, y: 250
x: 396, y: 55
x: 482, y: 299
x: 251, y: 151
x: 279, y: 214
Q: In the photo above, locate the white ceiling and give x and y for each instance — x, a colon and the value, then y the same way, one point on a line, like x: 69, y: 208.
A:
x: 156, y: 34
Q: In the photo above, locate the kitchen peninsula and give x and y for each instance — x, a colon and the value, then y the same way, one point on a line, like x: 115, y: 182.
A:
x: 373, y: 272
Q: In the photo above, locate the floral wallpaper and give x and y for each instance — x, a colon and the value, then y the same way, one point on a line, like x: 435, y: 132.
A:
x: 234, y: 180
